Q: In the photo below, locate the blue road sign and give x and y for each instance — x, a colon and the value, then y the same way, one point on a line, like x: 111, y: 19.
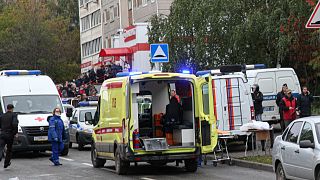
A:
x: 159, y: 53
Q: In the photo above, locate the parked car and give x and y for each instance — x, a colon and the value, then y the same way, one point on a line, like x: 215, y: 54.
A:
x: 296, y: 153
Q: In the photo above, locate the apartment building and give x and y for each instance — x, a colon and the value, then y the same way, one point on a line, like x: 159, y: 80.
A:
x: 122, y: 28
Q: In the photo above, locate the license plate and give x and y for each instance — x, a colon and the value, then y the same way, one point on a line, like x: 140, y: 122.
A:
x: 40, y: 138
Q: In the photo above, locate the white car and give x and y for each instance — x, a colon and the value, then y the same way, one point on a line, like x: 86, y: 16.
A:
x: 296, y: 153
x: 80, y: 131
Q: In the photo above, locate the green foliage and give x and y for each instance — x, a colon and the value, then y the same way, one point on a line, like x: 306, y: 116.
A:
x: 205, y: 34
x: 35, y: 35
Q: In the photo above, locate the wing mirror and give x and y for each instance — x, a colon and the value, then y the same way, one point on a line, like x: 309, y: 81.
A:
x: 306, y: 144
x: 69, y: 112
x: 88, y: 118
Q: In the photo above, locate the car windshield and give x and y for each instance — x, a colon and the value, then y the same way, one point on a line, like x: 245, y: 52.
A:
x: 37, y: 104
x: 318, y: 131
x: 83, y: 112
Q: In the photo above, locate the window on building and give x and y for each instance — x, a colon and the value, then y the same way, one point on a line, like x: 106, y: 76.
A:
x: 111, y: 13
x: 129, y: 4
x: 107, y: 15
x: 91, y: 47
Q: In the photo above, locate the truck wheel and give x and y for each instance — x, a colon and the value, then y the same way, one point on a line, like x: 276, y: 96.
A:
x: 121, y: 166
x: 65, y: 151
x: 280, y: 174
x: 191, y: 165
x: 96, y: 162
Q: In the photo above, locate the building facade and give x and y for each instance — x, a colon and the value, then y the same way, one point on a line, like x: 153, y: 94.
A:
x: 122, y: 24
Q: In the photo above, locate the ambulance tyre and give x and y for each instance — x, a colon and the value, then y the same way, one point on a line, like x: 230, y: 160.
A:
x: 96, y: 162
x: 191, y: 165
x: 65, y: 151
x: 121, y: 166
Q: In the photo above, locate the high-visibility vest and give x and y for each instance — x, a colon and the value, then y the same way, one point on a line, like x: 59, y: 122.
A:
x: 291, y: 113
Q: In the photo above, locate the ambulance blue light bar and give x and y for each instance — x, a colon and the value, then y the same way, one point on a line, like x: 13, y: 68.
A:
x: 88, y: 103
x: 201, y: 73
x: 125, y: 74
x: 256, y: 66
x: 17, y: 73
x: 186, y: 72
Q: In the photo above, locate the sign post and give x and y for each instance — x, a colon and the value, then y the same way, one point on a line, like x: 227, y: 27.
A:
x: 159, y: 54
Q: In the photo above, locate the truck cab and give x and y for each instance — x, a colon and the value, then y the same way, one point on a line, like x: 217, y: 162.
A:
x: 131, y: 122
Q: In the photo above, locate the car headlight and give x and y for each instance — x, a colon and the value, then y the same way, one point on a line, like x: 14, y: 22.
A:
x: 20, y: 129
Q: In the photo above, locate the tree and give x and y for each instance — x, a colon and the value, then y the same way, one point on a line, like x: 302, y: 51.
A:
x: 33, y: 37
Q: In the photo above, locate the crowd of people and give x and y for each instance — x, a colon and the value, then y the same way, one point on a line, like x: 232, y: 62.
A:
x: 85, y: 83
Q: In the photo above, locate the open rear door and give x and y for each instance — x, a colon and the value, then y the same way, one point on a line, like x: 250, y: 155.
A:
x: 208, y: 131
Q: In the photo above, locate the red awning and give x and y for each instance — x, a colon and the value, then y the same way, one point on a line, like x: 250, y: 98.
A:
x: 115, y: 52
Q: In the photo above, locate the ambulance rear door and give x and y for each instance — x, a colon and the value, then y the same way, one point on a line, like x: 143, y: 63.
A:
x: 208, y: 131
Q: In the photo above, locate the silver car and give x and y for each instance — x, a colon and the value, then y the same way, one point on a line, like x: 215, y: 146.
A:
x: 296, y: 153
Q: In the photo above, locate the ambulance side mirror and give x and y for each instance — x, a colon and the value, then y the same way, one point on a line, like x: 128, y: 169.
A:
x: 88, y: 118
x: 69, y: 112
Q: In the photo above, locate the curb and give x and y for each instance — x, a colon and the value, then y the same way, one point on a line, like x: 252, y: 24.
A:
x: 253, y: 165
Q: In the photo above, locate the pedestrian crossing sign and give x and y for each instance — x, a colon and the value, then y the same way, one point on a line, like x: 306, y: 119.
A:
x: 314, y: 20
x: 159, y: 53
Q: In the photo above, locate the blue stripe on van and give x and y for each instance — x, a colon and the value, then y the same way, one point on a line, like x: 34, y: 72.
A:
x: 274, y: 97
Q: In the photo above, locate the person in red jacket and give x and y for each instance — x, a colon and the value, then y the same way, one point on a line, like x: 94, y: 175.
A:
x: 288, y: 106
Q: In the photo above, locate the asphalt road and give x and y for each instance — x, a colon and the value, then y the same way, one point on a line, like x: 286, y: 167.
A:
x: 77, y: 165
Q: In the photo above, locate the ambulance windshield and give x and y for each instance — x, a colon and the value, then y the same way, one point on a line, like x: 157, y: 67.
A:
x: 36, y: 104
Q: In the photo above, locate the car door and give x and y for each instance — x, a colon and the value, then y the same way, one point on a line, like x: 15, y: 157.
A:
x: 288, y: 148
x: 73, y: 127
x: 305, y: 155
x: 208, y: 129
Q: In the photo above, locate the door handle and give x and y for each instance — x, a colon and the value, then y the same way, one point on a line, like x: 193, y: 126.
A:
x: 296, y: 151
x: 283, y: 148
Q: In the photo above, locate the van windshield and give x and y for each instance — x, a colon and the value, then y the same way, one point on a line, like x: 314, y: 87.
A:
x: 39, y: 104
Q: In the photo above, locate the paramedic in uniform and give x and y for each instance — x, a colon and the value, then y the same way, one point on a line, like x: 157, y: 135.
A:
x: 281, y: 95
x: 288, y: 105
x: 8, y: 129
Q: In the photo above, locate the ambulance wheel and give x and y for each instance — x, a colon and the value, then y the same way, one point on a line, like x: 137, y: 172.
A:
x: 121, y: 166
x: 65, y: 151
x: 191, y: 165
x: 96, y: 162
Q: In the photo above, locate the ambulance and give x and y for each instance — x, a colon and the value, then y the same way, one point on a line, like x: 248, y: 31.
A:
x: 128, y: 126
x: 233, y: 105
x: 270, y: 81
x: 34, y: 97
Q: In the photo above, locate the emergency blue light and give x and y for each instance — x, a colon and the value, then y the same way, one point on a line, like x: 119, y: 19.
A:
x: 186, y: 72
x: 16, y: 73
x: 201, y: 73
x: 124, y: 74
x: 87, y: 103
x: 259, y: 66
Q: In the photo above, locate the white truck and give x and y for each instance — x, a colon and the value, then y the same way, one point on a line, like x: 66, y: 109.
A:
x: 34, y: 97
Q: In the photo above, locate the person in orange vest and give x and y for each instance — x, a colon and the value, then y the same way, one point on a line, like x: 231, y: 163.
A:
x: 288, y: 106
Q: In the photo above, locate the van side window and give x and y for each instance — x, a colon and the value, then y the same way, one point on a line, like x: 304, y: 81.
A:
x: 205, y: 99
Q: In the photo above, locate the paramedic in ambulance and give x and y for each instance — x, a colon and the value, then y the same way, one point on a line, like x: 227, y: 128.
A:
x: 288, y: 106
x: 304, y: 101
x: 173, y: 115
x: 174, y: 94
x: 281, y: 95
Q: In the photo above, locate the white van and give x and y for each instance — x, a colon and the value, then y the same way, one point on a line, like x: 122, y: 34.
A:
x: 34, y: 97
x: 270, y: 81
x: 233, y: 105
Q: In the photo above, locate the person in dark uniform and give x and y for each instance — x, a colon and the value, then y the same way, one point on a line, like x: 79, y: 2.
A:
x: 8, y: 129
x: 173, y: 114
x: 281, y: 95
x: 304, y: 101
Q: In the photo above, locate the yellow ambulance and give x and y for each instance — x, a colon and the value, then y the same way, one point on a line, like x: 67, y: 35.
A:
x: 131, y: 120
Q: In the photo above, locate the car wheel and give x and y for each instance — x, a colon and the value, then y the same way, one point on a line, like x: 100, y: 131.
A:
x: 96, y: 162
x: 191, y: 165
x: 280, y: 174
x: 80, y: 144
x: 121, y: 166
x: 70, y: 144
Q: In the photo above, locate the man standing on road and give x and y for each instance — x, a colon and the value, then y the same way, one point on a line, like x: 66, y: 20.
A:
x: 304, y: 101
x: 8, y: 129
x: 288, y: 105
x: 281, y: 95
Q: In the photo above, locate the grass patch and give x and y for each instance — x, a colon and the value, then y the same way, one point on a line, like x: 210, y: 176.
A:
x: 259, y: 159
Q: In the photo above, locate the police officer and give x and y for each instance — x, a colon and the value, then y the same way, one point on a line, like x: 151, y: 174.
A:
x: 8, y: 129
x: 304, y: 101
